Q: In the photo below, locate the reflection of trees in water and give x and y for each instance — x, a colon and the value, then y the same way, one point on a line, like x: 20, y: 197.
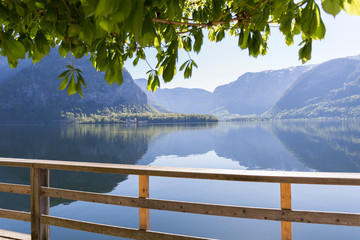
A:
x: 332, y: 146
x: 90, y: 143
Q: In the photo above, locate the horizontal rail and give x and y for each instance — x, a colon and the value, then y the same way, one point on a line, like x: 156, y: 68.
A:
x: 15, y: 188
x: 194, y: 173
x: 10, y: 235
x: 347, y: 219
x: 112, y: 230
x: 15, y: 215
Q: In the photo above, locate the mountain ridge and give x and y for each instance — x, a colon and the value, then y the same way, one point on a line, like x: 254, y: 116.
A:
x: 31, y: 95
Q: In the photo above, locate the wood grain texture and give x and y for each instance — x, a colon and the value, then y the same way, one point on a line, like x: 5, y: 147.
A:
x: 113, y: 230
x: 15, y: 188
x: 286, y: 227
x: 35, y: 203
x: 44, y: 203
x: 144, y: 215
x: 196, y: 173
x: 347, y: 219
x: 10, y: 235
x: 15, y: 215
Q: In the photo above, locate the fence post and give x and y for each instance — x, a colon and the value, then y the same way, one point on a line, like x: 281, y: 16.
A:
x: 285, y: 192
x: 39, y: 205
x: 144, y: 217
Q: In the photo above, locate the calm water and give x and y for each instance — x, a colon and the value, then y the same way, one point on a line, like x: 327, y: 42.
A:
x: 283, y: 145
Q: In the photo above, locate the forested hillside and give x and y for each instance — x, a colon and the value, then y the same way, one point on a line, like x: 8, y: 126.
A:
x: 30, y: 94
x: 331, y: 89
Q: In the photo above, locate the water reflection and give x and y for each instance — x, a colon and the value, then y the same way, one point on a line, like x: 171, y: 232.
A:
x: 326, y: 146
x: 278, y: 145
x: 90, y: 143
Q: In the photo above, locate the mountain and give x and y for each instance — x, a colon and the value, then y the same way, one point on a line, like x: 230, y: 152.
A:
x: 179, y: 100
x: 255, y: 93
x: 31, y: 95
x: 331, y: 89
x: 250, y: 94
x: 7, y: 72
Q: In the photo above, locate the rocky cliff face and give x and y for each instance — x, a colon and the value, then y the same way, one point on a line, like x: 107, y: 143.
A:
x: 31, y: 95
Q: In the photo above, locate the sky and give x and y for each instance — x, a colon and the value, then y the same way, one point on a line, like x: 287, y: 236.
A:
x: 223, y: 62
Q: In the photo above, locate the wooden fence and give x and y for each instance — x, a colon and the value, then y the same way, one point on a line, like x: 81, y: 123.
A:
x: 41, y: 191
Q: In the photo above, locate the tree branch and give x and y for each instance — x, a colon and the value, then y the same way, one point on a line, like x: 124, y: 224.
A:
x: 209, y: 24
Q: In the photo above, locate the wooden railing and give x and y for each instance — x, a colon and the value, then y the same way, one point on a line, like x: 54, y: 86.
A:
x: 40, y: 192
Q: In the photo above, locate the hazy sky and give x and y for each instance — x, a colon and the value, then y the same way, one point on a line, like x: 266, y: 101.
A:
x: 223, y: 62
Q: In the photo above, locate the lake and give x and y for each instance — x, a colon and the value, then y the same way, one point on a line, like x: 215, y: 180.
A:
x: 325, y: 146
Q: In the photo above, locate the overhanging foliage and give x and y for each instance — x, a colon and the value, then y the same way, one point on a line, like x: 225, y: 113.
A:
x: 115, y: 31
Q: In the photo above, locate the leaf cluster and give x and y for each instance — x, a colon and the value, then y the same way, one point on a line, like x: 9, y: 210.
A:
x: 115, y: 31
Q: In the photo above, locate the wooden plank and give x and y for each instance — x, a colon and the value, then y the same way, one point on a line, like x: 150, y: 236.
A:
x: 196, y: 173
x: 44, y: 204
x: 15, y: 188
x: 286, y: 227
x: 113, y: 230
x: 144, y: 216
x: 348, y: 219
x: 35, y: 203
x: 15, y: 215
x: 4, y: 234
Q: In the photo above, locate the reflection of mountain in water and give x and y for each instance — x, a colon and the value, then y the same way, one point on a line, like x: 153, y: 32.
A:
x: 326, y: 146
x: 248, y: 143
x: 90, y: 143
x: 321, y: 145
x: 107, y: 144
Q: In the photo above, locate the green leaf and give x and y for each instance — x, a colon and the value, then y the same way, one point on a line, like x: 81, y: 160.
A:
x: 14, y: 49
x: 124, y: 10
x: 156, y: 83
x: 136, y: 60
x: 106, y: 7
x: 42, y: 43
x: 107, y: 25
x: 78, y: 89
x: 62, y: 75
x: 71, y: 88
x: 332, y: 7
x: 352, y: 7
x: 243, y: 38
x: 137, y: 18
x: 198, y: 41
x: 37, y: 56
x: 310, y: 18
x: 305, y: 51
x: 262, y: 20
x: 169, y: 70
x: 73, y: 30
x: 63, y: 49
x: 286, y: 23
x: 87, y: 31
x: 150, y: 80
x: 63, y: 84
x: 183, y: 65
x: 320, y: 31
x: 81, y: 80
x: 148, y: 33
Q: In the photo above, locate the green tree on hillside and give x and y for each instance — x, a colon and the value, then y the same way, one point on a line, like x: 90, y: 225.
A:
x: 115, y: 31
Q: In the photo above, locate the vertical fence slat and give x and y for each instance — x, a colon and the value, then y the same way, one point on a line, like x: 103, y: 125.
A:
x: 44, y: 204
x: 35, y: 203
x: 39, y: 205
x: 144, y: 217
x: 286, y: 227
